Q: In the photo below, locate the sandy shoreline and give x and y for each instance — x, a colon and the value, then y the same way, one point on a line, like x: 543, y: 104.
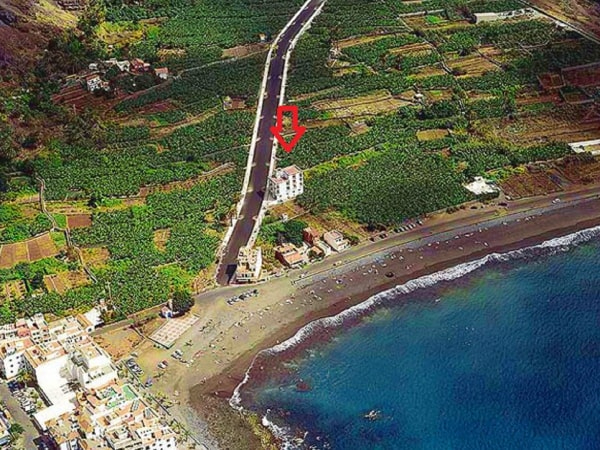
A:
x: 442, y: 259
x: 226, y: 339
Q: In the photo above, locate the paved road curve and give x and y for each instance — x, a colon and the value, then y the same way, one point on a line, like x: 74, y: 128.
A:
x: 255, y: 194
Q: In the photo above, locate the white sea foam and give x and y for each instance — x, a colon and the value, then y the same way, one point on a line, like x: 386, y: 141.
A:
x: 552, y: 246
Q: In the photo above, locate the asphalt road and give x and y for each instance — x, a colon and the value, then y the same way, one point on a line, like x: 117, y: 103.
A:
x: 255, y: 194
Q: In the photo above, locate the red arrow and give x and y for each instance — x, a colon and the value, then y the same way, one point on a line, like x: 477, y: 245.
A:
x: 278, y: 128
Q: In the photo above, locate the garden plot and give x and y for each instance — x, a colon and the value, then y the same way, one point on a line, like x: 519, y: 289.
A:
x: 471, y: 66
x: 530, y: 184
x: 12, y: 290
x: 351, y: 42
x: 562, y: 125
x: 79, y: 220
x: 241, y: 51
x: 27, y: 251
x: 376, y: 103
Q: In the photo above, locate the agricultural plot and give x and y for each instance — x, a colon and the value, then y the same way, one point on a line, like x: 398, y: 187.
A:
x: 63, y: 281
x: 12, y: 290
x: 471, y: 93
x: 580, y: 169
x: 31, y: 250
x: 564, y: 124
x: 380, y: 102
x: 472, y: 65
x: 79, y: 221
x: 530, y: 184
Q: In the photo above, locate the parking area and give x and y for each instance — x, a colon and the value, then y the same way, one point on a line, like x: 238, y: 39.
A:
x: 30, y: 435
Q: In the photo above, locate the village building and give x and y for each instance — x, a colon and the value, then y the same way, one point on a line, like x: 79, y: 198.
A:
x: 286, y: 184
x: 310, y: 236
x: 138, y: 65
x: 162, y: 73
x: 592, y: 147
x: 336, y: 240
x: 233, y: 103
x: 123, y: 66
x: 290, y: 256
x: 93, y: 82
x: 87, y: 406
x: 493, y: 17
x: 249, y: 265
x: 323, y: 247
x: 318, y: 248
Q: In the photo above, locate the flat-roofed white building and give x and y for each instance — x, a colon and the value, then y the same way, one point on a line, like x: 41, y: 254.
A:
x: 249, y: 265
x: 286, y: 184
x: 336, y: 240
x: 88, y: 407
x: 592, y: 147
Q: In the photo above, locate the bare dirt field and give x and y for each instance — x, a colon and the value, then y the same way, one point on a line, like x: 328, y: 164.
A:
x: 582, y: 13
x: 471, y: 66
x: 79, y: 221
x: 375, y: 103
x: 62, y: 282
x: 432, y: 135
x: 27, y: 251
x: 580, y: 169
x: 529, y: 184
x: 562, y: 124
x: 352, y: 41
x: 243, y: 50
x: 95, y: 257
x: 160, y: 238
x: 120, y: 342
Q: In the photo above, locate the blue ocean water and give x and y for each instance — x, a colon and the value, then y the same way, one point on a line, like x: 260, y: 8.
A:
x: 507, y: 358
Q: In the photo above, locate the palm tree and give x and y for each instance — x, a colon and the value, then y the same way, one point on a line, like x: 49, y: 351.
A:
x: 25, y: 377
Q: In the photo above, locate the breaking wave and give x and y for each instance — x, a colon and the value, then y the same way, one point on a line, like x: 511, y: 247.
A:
x: 546, y: 248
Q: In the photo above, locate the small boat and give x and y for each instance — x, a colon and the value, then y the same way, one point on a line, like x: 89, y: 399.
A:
x: 373, y: 415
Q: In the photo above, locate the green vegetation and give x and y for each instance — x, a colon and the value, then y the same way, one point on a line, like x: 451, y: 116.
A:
x: 279, y: 232
x: 19, y: 230
x: 409, y: 161
x: 388, y: 189
x: 182, y: 302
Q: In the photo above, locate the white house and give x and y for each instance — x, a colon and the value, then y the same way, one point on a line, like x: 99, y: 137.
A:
x: 286, y: 183
x: 93, y: 82
x: 336, y: 240
x: 493, y: 17
x: 249, y: 265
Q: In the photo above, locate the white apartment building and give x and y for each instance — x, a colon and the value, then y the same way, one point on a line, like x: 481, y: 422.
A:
x: 249, y: 265
x: 89, y: 408
x: 285, y: 184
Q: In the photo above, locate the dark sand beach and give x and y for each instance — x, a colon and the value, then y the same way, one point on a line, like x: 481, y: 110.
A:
x: 327, y: 292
